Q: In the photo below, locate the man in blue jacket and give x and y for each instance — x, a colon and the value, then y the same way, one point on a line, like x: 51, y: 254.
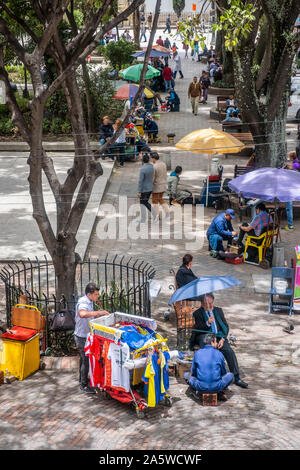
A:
x: 208, y: 373
x: 221, y: 229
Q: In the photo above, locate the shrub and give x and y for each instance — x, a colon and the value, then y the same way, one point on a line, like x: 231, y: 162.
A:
x: 56, y: 125
x: 66, y: 127
x: 221, y: 84
x: 6, y: 126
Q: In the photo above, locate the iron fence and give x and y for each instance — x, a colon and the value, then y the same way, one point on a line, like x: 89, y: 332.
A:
x: 123, y: 283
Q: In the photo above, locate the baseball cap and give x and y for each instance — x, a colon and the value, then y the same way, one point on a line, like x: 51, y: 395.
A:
x: 230, y: 212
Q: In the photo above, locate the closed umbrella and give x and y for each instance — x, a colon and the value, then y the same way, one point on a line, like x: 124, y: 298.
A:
x: 268, y: 184
x: 133, y: 72
x: 210, y: 141
x: 204, y: 285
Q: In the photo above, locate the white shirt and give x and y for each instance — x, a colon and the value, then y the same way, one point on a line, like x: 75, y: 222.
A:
x: 82, y: 324
x: 119, y: 374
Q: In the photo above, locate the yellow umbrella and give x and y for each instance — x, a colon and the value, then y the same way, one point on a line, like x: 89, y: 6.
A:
x: 210, y: 141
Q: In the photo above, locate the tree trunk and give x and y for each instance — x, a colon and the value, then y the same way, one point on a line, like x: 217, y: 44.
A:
x: 270, y: 143
x: 136, y: 27
x: 89, y: 99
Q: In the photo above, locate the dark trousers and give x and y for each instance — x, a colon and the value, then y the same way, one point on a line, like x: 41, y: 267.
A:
x: 120, y: 148
x: 144, y: 200
x: 175, y: 73
x: 84, y: 361
x: 228, y: 353
x: 243, y: 233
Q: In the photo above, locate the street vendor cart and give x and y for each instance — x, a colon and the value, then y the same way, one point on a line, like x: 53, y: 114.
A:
x: 129, y: 361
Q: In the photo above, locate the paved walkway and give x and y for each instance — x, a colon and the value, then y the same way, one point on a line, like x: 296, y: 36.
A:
x: 55, y: 415
x: 20, y: 237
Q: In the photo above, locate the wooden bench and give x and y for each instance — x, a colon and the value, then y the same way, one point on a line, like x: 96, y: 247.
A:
x: 241, y: 170
x: 184, y: 310
x: 221, y: 107
x: 245, y: 137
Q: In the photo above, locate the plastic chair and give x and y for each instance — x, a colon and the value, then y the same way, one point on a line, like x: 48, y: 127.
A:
x: 261, y: 242
x: 288, y: 275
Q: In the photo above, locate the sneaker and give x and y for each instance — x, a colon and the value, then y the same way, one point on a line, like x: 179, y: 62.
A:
x: 87, y: 389
x: 289, y: 229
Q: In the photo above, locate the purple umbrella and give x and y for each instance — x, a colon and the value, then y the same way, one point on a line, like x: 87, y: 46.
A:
x: 268, y: 184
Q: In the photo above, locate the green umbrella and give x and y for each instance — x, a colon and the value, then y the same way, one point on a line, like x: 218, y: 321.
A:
x: 133, y: 72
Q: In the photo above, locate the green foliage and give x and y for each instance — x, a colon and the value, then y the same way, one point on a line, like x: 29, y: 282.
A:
x: 191, y: 31
x: 6, y: 126
x: 178, y: 6
x: 119, y: 53
x: 222, y: 84
x: 236, y: 21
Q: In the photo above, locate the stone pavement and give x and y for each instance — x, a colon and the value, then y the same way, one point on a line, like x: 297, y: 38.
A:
x: 20, y: 237
x: 47, y: 411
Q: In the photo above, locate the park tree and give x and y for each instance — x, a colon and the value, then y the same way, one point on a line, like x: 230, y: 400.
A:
x: 178, y: 7
x: 67, y: 53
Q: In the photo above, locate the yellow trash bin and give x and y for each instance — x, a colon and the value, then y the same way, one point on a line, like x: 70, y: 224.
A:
x: 22, y: 358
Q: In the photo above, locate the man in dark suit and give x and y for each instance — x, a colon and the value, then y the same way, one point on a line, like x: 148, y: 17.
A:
x: 211, y: 319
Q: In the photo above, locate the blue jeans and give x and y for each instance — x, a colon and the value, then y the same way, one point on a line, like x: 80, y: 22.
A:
x: 143, y: 35
x: 120, y: 147
x: 216, y: 242
x: 175, y: 73
x: 289, y: 213
x: 168, y: 84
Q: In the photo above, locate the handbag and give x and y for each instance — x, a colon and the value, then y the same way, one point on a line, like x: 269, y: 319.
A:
x: 63, y: 320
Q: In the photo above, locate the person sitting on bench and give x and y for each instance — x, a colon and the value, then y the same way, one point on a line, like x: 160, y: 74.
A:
x: 231, y: 105
x: 151, y: 128
x: 176, y: 195
x: 208, y: 372
x: 258, y: 225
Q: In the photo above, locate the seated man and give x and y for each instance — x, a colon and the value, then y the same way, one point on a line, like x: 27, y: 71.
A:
x: 173, y: 101
x: 258, y: 225
x: 231, y: 106
x: 211, y: 319
x: 106, y: 131
x: 213, y: 66
x: 150, y: 127
x: 178, y: 196
x: 221, y: 229
x: 208, y: 372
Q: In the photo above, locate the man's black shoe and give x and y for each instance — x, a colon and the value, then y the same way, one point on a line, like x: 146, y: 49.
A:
x: 222, y: 396
x: 87, y: 389
x: 240, y: 383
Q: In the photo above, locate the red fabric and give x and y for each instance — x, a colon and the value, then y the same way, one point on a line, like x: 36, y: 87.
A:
x: 234, y: 260
x: 167, y: 73
x: 22, y: 334
x: 160, y: 42
x: 214, y: 178
x: 124, y: 397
